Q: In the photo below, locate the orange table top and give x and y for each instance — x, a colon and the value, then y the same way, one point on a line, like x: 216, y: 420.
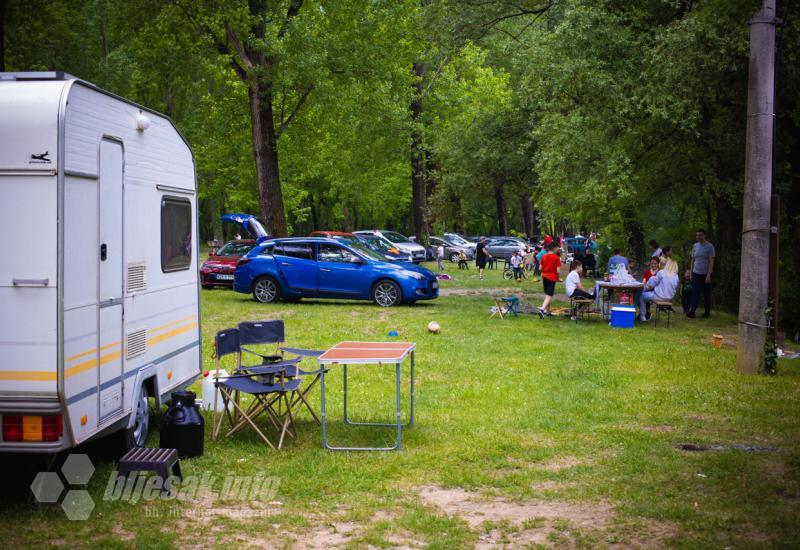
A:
x: 367, y: 352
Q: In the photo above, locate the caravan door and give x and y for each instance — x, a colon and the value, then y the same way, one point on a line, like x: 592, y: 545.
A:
x: 110, y: 298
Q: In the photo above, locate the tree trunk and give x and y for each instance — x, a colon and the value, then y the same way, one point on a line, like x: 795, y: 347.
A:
x: 634, y: 234
x: 754, y: 281
x: 265, y: 147
x: 502, y: 214
x: 3, y: 6
x: 418, y: 180
x: 526, y: 206
x: 726, y: 244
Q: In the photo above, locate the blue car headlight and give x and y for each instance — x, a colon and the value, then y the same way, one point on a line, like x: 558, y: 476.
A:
x: 409, y: 273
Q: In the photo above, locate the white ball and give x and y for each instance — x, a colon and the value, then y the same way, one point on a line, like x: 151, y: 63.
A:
x: 434, y: 327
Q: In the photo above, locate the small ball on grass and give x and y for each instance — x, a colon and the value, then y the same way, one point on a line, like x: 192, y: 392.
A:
x: 434, y: 328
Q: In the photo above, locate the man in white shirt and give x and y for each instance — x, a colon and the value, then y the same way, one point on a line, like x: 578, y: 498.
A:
x: 660, y: 286
x: 655, y: 248
x: 440, y: 256
x: 573, y: 286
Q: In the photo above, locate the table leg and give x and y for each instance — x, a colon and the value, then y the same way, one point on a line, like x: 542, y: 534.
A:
x: 344, y: 389
x: 411, y: 416
x: 322, y: 408
x: 399, y: 413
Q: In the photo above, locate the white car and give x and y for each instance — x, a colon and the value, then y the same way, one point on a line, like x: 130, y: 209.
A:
x: 400, y: 241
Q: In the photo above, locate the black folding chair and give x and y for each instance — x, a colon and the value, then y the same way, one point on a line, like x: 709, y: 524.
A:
x: 274, y: 332
x: 267, y: 384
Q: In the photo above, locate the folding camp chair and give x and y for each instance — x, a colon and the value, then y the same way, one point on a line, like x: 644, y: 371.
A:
x: 268, y: 384
x: 274, y: 332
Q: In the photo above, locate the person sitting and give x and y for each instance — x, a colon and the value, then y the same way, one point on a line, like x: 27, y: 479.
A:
x: 661, y: 286
x: 573, y: 286
x: 617, y: 259
x: 462, y: 260
x: 654, y: 266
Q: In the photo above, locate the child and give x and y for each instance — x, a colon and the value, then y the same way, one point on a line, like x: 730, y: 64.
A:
x: 686, y: 291
x: 440, y: 257
x: 462, y: 260
x: 549, y: 263
x: 573, y: 286
x: 516, y: 265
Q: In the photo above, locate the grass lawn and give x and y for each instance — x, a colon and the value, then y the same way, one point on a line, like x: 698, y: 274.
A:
x: 529, y: 432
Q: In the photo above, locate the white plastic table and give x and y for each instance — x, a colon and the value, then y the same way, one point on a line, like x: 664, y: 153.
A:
x: 368, y: 353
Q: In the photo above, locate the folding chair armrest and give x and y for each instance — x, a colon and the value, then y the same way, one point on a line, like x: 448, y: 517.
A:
x: 304, y: 352
x: 267, y: 369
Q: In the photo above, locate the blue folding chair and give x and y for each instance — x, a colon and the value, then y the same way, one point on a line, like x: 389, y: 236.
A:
x: 274, y: 332
x: 268, y: 384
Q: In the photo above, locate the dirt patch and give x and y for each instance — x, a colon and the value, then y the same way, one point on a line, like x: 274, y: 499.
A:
x: 506, y: 522
x: 558, y: 464
x: 657, y: 428
x: 121, y: 533
x: 476, y: 509
x: 384, y: 315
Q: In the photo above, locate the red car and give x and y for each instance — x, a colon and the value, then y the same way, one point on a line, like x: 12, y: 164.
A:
x: 218, y: 269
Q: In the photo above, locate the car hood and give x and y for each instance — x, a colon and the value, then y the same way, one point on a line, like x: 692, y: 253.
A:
x: 410, y: 247
x: 408, y: 266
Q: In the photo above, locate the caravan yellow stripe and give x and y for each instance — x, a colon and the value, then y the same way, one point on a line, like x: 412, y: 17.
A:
x: 36, y: 376
x: 167, y: 335
x: 46, y: 376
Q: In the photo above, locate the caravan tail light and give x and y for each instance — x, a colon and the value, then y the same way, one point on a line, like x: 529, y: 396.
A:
x: 32, y: 428
x: 12, y: 428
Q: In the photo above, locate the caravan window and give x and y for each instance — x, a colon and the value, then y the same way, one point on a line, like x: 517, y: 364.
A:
x: 176, y: 234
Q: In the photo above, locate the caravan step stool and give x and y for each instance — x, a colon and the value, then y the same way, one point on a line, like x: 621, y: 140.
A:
x: 159, y: 461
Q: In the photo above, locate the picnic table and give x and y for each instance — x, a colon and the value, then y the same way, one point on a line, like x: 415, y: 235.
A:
x: 603, y: 288
x: 368, y: 353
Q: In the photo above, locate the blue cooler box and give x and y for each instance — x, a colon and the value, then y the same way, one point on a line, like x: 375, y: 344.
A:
x: 623, y: 316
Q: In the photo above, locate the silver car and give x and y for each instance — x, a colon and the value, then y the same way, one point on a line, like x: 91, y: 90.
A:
x: 452, y: 250
x: 400, y: 241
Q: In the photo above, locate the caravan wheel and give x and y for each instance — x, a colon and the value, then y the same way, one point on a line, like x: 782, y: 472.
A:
x: 136, y: 435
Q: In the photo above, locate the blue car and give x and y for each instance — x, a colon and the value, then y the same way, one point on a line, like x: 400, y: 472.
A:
x: 295, y: 268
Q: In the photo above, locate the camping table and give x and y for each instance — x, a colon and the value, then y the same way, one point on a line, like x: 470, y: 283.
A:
x: 603, y: 287
x: 367, y: 353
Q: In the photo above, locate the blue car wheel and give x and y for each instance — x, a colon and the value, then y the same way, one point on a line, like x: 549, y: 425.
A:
x: 266, y: 290
x: 387, y: 293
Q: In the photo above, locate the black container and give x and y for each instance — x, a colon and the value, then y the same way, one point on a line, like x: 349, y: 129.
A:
x: 182, y: 426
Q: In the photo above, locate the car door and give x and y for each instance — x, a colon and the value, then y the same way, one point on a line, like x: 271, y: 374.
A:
x: 297, y: 265
x: 341, y: 273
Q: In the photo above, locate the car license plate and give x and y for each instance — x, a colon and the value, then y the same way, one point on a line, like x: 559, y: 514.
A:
x: 435, y: 284
x: 224, y: 277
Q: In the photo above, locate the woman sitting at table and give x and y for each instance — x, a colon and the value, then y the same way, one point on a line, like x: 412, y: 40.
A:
x: 660, y: 286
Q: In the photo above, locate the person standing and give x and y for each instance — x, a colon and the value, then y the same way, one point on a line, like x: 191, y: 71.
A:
x: 481, y: 254
x: 655, y: 248
x: 516, y: 265
x: 440, y: 256
x: 550, y: 264
x: 703, y: 256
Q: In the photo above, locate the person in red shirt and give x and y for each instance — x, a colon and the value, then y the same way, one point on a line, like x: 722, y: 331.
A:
x: 550, y: 264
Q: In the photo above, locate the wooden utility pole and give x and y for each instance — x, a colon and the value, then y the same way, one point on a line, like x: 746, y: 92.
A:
x: 754, y: 281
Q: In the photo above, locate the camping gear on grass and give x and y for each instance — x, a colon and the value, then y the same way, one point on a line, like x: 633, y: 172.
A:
x: 182, y: 426
x: 623, y: 316
x: 717, y: 340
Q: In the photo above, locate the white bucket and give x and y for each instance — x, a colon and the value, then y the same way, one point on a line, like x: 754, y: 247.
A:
x: 209, y: 390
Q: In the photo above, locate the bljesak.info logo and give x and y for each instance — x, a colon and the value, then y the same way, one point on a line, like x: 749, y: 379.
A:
x: 78, y: 504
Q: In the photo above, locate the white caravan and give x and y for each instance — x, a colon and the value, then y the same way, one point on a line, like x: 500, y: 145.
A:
x: 99, y: 306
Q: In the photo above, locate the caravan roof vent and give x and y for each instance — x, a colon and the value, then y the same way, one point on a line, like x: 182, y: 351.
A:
x: 136, y: 280
x: 135, y: 343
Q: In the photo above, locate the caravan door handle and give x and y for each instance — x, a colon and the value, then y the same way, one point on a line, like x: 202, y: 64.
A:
x: 103, y: 252
x: 30, y: 282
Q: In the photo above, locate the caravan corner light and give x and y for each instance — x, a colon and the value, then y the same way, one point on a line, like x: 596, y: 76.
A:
x: 142, y: 122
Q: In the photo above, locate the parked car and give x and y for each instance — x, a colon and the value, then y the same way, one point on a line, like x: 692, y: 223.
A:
x: 400, y: 241
x: 313, y: 267
x: 503, y: 247
x: 451, y: 250
x: 459, y: 240
x: 219, y: 268
x: 380, y: 245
